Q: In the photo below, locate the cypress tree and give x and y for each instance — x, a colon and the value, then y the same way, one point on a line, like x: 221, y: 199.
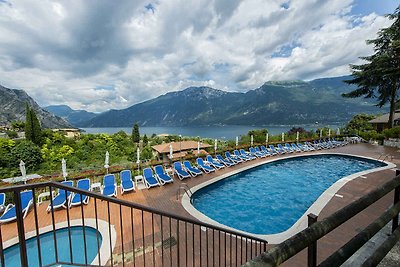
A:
x: 33, y: 130
x: 37, y: 130
x: 135, y: 133
x: 28, y: 123
x: 145, y: 140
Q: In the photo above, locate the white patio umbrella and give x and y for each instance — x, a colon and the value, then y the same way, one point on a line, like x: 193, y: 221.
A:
x: 106, y: 161
x: 329, y: 133
x: 251, y: 140
x: 237, y: 140
x: 64, y: 169
x: 170, y: 152
x: 266, y: 138
x: 23, y: 170
x: 138, y: 159
x: 283, y: 137
x: 198, y: 147
x: 338, y: 131
x: 215, y: 145
x: 297, y: 137
x: 138, y: 155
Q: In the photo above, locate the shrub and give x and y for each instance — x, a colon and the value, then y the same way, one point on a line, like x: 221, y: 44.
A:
x: 28, y: 152
x: 392, y: 132
x: 12, y: 134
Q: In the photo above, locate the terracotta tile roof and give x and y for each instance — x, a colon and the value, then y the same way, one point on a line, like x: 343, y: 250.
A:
x: 179, y: 146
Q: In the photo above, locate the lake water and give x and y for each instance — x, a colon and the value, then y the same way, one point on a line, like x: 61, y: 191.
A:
x: 228, y: 132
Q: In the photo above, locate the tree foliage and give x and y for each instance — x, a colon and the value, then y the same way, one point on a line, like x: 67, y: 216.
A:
x: 380, y: 76
x: 28, y: 152
x: 32, y: 126
x: 135, y: 133
x: 359, y: 123
x: 18, y: 125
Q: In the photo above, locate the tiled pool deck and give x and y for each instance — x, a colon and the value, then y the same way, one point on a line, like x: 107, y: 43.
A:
x: 165, y: 199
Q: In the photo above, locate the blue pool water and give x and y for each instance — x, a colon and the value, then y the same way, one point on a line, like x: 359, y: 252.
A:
x: 12, y: 256
x: 270, y: 198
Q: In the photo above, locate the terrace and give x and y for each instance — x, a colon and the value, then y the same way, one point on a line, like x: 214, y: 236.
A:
x: 151, y: 227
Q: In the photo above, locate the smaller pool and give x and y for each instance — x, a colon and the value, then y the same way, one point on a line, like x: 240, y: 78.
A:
x: 12, y: 255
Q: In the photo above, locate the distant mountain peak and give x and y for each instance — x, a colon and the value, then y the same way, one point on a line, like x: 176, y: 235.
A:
x: 12, y: 108
x: 75, y: 117
x: 286, y: 83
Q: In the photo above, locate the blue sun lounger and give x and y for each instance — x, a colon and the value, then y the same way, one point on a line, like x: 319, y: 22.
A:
x: 83, y: 184
x: 276, y: 150
x: 232, y: 158
x: 226, y: 162
x: 242, y: 157
x: 182, y: 174
x: 295, y: 147
x: 2, y: 201
x: 62, y: 199
x: 247, y: 154
x: 265, y: 153
x: 205, y: 168
x: 281, y: 148
x: 258, y: 154
x: 303, y: 147
x: 149, y: 179
x: 191, y: 169
x: 126, y: 181
x: 109, y: 186
x: 163, y: 178
x: 213, y: 163
x: 271, y: 152
x: 10, y: 214
x: 289, y: 148
x: 311, y: 146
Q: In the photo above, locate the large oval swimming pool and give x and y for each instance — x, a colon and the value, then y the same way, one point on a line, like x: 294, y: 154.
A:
x: 270, y: 198
x: 12, y: 255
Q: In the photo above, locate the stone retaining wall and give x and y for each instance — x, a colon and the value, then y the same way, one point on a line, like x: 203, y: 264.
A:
x: 392, y: 142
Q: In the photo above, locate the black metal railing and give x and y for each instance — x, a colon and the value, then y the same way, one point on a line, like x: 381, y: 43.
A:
x: 127, y: 234
x: 308, y: 238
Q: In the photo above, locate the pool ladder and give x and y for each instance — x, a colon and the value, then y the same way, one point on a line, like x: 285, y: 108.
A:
x: 383, y: 157
x: 185, y: 188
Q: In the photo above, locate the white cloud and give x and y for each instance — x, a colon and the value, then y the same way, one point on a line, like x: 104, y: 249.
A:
x: 102, y: 55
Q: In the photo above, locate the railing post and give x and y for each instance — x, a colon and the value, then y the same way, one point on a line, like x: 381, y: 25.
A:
x: 395, y: 221
x: 20, y: 227
x: 312, y: 248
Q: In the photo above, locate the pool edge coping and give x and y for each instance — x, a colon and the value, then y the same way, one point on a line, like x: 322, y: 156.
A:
x: 301, y: 223
x: 102, y: 227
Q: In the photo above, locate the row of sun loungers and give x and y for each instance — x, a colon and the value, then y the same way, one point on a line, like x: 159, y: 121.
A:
x: 68, y: 199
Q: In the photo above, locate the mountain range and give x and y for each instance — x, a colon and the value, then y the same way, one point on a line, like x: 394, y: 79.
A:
x: 12, y: 108
x: 279, y: 103
x: 75, y: 117
x: 287, y: 102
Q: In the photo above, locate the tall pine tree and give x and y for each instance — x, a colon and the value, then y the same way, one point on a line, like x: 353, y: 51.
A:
x: 135, y: 133
x: 28, y: 123
x: 33, y: 131
x: 380, y: 76
x: 37, y: 130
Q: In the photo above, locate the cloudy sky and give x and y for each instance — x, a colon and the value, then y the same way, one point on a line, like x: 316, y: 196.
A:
x: 98, y: 55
